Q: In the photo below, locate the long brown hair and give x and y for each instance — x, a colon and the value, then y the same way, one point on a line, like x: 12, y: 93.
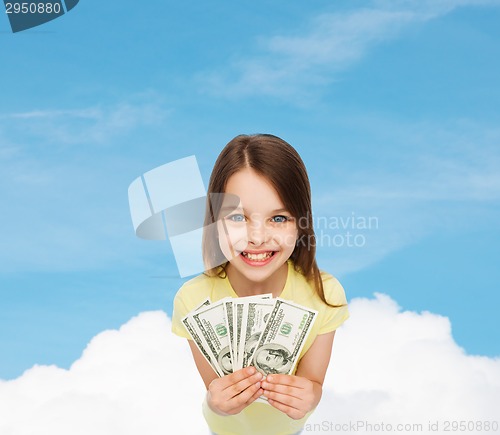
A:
x: 276, y: 160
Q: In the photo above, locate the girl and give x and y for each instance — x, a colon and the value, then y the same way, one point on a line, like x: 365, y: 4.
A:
x: 267, y: 244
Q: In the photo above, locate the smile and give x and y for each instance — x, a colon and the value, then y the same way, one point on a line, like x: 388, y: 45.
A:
x: 261, y: 257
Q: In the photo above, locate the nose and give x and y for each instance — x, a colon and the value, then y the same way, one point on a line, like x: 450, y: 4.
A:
x: 257, y: 233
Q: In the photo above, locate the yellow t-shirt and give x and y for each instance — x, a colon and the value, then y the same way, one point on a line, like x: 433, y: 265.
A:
x: 261, y: 418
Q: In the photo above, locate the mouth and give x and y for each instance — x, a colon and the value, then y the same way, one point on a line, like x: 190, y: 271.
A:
x: 257, y: 257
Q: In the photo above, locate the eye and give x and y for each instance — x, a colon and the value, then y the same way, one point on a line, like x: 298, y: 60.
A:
x: 280, y: 219
x: 236, y: 218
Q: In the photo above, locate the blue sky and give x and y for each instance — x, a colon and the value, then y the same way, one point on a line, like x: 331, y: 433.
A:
x: 392, y: 105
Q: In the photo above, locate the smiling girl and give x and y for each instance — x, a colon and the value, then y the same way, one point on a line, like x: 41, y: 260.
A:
x: 259, y: 239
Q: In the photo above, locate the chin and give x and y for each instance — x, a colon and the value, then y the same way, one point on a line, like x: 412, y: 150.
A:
x: 259, y: 274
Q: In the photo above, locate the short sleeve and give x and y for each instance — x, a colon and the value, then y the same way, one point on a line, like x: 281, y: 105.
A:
x: 335, y: 295
x: 179, y: 312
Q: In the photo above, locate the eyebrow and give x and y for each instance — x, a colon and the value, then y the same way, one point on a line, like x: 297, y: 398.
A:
x: 280, y: 210
x: 229, y: 208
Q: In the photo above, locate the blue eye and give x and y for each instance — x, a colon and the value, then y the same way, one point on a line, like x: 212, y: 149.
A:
x: 236, y: 218
x: 280, y: 219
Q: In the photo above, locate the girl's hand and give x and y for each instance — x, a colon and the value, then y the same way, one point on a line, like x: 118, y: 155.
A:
x: 293, y: 395
x: 232, y: 393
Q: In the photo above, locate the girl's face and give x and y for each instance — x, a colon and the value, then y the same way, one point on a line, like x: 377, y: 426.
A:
x: 259, y: 236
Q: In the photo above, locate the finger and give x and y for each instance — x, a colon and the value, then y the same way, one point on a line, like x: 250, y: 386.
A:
x: 240, y: 374
x: 225, y: 387
x: 288, y: 410
x: 295, y: 381
x: 239, y: 387
x: 284, y: 389
x: 246, y: 396
x: 292, y: 402
x: 237, y: 376
x: 257, y: 394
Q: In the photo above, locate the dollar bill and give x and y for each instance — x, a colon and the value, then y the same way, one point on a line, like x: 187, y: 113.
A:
x: 199, y: 338
x: 237, y: 321
x: 283, y: 337
x: 256, y: 314
x: 241, y: 315
x: 228, y: 316
x: 185, y: 320
x: 256, y: 330
x: 205, y: 303
x: 212, y: 324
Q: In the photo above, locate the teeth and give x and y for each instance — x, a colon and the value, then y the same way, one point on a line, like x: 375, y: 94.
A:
x: 257, y: 257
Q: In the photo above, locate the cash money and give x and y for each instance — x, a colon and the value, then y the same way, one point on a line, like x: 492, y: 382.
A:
x: 238, y: 320
x: 228, y: 315
x: 234, y: 333
x: 241, y: 314
x: 199, y: 338
x: 283, y: 337
x: 256, y: 314
x: 212, y: 324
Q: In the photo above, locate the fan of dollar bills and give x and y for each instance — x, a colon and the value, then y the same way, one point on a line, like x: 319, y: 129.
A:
x: 259, y: 331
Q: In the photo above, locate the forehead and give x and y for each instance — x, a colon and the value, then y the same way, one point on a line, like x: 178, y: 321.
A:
x: 255, y: 191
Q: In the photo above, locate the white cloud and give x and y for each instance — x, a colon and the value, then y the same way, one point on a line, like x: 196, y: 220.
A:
x: 443, y: 179
x: 387, y: 366
x: 290, y: 66
x: 431, y: 8
x: 139, y: 379
x: 63, y: 180
x: 288, y: 63
x: 404, y: 367
x: 55, y: 212
x: 88, y: 125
